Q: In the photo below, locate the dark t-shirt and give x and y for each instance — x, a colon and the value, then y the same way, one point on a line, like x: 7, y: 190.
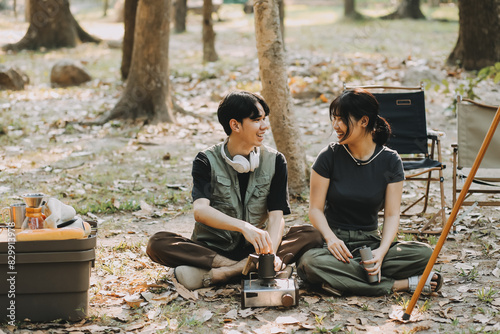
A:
x: 356, y: 192
x: 278, y: 195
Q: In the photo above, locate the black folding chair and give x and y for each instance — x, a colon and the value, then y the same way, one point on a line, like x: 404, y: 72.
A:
x: 404, y: 110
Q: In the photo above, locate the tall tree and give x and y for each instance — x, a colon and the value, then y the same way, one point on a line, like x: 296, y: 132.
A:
x: 51, y: 26
x: 275, y: 90
x: 350, y: 10
x: 130, y: 13
x: 281, y: 7
x: 146, y: 96
x: 180, y: 9
x: 407, y: 9
x: 478, y: 43
x: 209, y: 53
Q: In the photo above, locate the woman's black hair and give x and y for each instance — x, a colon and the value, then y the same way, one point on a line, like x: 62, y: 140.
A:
x: 357, y: 103
x: 238, y: 105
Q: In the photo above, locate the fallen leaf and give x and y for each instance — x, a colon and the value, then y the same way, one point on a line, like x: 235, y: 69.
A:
x: 464, y: 288
x: 286, y: 320
x: 354, y: 301
x: 481, y: 318
x: 464, y: 266
x: 203, y: 315
x: 153, y: 314
x: 246, y: 312
x: 397, y: 315
x: 311, y: 300
x: 231, y: 315
x: 134, y: 300
x: 112, y: 294
x: 147, y: 295
x: 166, y: 297
x: 183, y: 292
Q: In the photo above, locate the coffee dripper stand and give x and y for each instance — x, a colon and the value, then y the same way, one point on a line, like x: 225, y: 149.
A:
x: 263, y: 289
x: 33, y: 201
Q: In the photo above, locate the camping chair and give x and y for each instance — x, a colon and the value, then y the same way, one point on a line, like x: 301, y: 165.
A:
x: 474, y: 120
x: 404, y: 110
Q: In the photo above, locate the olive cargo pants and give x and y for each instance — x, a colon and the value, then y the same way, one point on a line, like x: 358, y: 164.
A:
x: 172, y: 250
x: 403, y: 259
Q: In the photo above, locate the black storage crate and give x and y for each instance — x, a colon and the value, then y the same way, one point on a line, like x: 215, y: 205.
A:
x: 50, y: 280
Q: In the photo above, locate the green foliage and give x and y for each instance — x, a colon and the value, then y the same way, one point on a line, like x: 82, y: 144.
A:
x: 432, y: 240
x: 335, y: 329
x: 404, y: 303
x: 466, y: 89
x: 425, y: 306
x: 472, y: 275
x: 407, y: 237
x: 486, y: 295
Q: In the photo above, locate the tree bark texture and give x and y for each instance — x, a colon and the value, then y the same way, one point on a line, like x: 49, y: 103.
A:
x: 27, y: 11
x: 180, y: 16
x: 350, y: 10
x: 407, y: 9
x: 146, y: 96
x: 209, y: 53
x: 281, y: 6
x: 275, y: 90
x: 130, y: 12
x: 51, y: 26
x: 478, y: 43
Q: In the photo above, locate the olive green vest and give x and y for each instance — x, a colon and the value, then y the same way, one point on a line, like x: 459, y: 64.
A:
x: 226, y: 198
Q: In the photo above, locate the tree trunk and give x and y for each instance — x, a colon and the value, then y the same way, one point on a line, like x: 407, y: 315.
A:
x: 51, y: 26
x: 408, y: 9
x: 275, y: 90
x: 281, y: 6
x: 478, y: 43
x: 130, y: 11
x: 434, y: 3
x: 27, y: 14
x: 209, y: 53
x: 350, y: 10
x: 146, y: 96
x: 106, y: 7
x: 180, y: 16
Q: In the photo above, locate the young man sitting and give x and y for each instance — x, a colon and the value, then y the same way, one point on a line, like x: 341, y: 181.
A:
x: 240, y: 194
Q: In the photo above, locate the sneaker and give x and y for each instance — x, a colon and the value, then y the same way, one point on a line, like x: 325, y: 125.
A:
x: 193, y: 278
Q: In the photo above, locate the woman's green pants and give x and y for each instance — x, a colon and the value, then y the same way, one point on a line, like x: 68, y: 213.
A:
x: 404, y: 259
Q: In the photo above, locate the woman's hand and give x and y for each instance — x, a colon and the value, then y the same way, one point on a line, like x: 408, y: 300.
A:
x: 260, y: 239
x: 378, y: 257
x: 338, y: 249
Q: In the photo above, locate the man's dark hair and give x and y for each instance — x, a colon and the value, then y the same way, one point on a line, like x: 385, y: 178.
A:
x: 239, y: 105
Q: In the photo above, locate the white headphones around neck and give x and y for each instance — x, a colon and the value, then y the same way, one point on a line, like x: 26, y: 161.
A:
x: 239, y: 162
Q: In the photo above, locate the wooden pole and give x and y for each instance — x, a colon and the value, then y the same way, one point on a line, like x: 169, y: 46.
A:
x: 453, y: 215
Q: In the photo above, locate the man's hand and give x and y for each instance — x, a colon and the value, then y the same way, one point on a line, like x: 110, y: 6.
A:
x: 278, y: 264
x: 260, y: 239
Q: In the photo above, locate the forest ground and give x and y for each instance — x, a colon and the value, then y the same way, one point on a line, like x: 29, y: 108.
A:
x: 134, y: 180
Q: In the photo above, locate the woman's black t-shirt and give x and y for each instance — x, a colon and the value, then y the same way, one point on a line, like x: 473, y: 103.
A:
x: 357, y: 191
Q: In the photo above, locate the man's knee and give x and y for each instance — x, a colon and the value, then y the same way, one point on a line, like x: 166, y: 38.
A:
x: 159, y: 243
